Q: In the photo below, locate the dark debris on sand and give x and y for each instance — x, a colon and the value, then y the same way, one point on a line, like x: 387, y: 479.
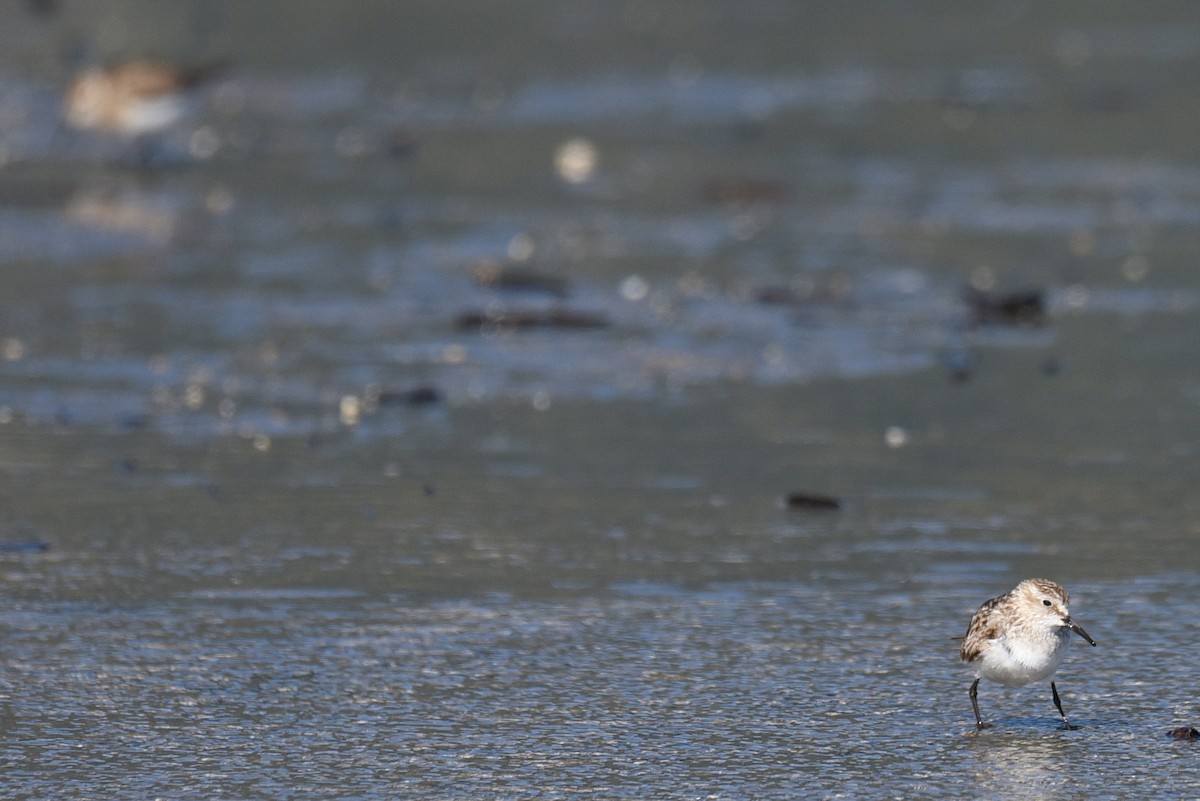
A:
x: 812, y: 502
x: 549, y: 319
x: 491, y: 275
x: 1025, y: 307
x: 417, y: 396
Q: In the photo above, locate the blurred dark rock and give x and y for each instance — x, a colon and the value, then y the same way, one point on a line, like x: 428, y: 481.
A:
x: 417, y: 396
x: 23, y: 546
x: 554, y: 319
x: 517, y: 279
x: 1025, y: 307
x: 812, y: 502
x: 776, y: 295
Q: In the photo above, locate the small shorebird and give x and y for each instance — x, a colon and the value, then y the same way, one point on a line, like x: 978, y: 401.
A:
x: 1019, y: 638
x: 130, y: 98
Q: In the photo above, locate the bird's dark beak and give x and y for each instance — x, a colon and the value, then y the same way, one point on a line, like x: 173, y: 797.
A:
x: 1075, y: 627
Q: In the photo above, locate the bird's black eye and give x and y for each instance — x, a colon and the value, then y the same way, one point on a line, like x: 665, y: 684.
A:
x: 1045, y: 602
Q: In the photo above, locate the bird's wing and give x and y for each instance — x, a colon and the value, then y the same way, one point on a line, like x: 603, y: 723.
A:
x: 984, y: 626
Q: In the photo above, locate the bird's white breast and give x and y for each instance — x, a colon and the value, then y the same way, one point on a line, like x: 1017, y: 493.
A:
x: 1019, y: 660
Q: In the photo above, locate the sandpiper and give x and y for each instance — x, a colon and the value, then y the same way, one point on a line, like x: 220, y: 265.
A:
x: 130, y: 98
x: 1019, y: 638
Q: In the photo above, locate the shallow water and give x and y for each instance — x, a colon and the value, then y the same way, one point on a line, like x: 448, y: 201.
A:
x: 819, y: 687
x: 302, y: 500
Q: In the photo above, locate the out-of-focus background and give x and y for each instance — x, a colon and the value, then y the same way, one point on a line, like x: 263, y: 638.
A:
x: 592, y: 399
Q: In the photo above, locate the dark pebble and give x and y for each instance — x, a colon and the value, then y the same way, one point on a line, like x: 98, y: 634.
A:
x: 417, y: 396
x: 1020, y: 308
x: 24, y: 546
x: 134, y: 422
x: 558, y: 319
x: 776, y: 296
x: 516, y: 279
x: 805, y: 500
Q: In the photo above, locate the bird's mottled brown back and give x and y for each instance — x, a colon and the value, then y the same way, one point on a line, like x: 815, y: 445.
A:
x: 983, y: 627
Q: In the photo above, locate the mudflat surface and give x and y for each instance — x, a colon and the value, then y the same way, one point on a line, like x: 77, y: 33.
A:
x: 418, y: 415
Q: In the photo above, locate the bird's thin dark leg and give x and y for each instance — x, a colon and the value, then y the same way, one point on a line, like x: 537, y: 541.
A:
x: 1058, y: 705
x: 975, y: 703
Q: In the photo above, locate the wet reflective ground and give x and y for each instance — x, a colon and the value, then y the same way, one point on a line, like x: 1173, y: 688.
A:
x: 418, y: 416
x: 815, y: 687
